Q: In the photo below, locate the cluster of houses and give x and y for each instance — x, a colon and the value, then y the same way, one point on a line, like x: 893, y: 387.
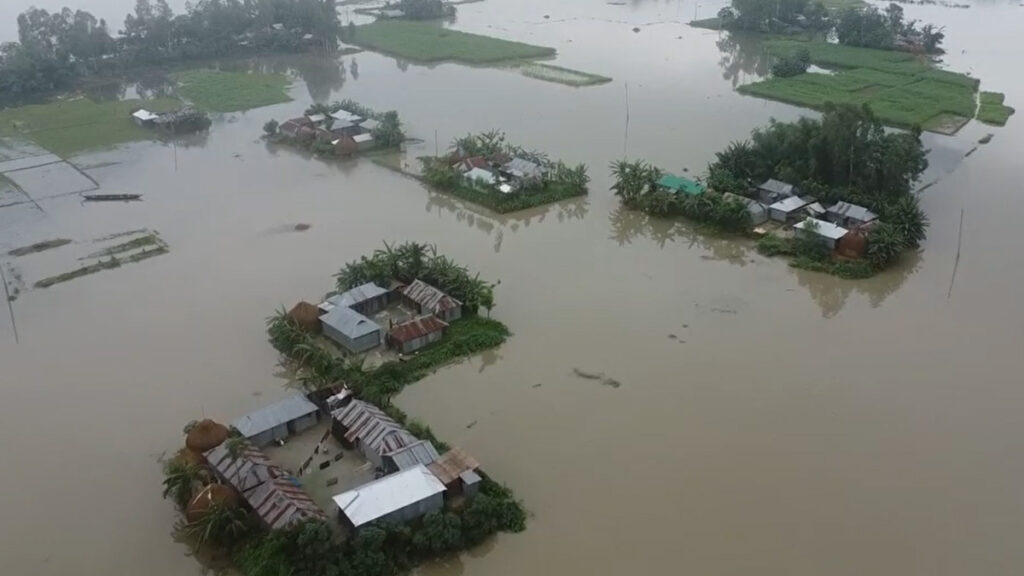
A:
x: 186, y: 119
x: 346, y: 318
x: 505, y: 173
x: 414, y: 478
x: 347, y: 132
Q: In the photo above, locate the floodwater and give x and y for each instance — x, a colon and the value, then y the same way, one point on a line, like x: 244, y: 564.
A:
x: 768, y: 421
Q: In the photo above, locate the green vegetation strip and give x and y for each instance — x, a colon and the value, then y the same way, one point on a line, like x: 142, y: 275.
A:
x: 429, y: 42
x: 68, y: 127
x: 220, y: 91
x: 560, y: 75
x: 515, y: 201
x: 900, y: 89
x: 39, y: 247
x: 992, y: 110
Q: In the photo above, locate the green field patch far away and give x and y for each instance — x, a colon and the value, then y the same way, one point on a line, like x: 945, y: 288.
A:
x: 220, y: 91
x: 902, y: 89
x: 992, y: 110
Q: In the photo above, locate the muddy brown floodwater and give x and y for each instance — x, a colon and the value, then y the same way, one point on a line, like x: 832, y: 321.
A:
x: 766, y: 420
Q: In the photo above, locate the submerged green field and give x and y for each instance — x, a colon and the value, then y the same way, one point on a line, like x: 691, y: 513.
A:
x: 992, y: 110
x: 429, y: 42
x: 900, y: 88
x: 69, y: 127
x: 220, y: 91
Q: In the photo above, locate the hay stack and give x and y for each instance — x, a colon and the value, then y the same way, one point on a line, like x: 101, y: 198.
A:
x: 307, y: 316
x: 213, y: 493
x: 206, y: 435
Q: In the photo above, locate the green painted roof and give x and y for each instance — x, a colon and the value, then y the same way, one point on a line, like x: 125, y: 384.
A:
x: 680, y: 184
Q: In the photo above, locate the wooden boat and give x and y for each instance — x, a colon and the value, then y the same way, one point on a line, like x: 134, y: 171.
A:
x: 111, y: 197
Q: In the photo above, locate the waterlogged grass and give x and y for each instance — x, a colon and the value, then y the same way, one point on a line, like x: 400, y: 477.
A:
x: 506, y: 203
x: 429, y: 42
x: 220, y: 91
x: 992, y: 110
x: 68, y: 127
x: 561, y: 75
x: 901, y: 89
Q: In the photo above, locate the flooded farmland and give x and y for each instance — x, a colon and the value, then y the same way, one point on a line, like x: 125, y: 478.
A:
x: 765, y: 419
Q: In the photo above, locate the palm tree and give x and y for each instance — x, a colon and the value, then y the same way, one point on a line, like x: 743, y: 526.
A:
x: 182, y: 479
x: 220, y: 524
x: 885, y: 243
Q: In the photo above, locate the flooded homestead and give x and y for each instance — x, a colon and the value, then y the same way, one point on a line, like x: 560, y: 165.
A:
x: 766, y: 420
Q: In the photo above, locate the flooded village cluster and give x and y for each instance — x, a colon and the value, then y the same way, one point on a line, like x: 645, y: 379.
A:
x: 582, y: 206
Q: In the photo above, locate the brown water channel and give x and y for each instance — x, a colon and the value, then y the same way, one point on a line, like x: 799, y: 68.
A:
x: 769, y: 421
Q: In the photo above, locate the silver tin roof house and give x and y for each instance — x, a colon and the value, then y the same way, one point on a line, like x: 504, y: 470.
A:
x: 351, y: 330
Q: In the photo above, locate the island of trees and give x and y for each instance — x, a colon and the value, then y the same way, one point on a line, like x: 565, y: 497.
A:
x: 846, y: 156
x: 56, y: 51
x: 339, y: 129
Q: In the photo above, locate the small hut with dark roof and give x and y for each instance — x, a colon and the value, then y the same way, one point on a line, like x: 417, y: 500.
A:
x: 206, y: 435
x: 306, y: 315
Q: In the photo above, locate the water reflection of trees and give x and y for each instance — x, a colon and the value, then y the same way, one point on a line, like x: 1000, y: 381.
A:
x: 628, y: 225
x: 831, y: 293
x: 496, y: 224
x: 321, y: 74
x: 742, y: 54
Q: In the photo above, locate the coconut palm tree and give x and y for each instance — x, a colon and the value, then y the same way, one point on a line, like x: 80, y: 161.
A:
x: 183, y: 479
x: 221, y: 524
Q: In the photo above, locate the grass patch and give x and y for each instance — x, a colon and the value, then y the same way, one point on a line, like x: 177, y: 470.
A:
x: 428, y: 42
x: 505, y: 203
x: 561, y: 75
x: 220, y: 91
x: 992, y: 110
x: 69, y: 127
x: 713, y: 23
x: 134, y: 244
x: 902, y: 90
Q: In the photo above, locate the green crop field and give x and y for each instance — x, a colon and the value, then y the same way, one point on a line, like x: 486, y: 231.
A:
x: 992, y: 110
x: 219, y: 91
x: 902, y: 89
x: 68, y: 127
x: 429, y: 42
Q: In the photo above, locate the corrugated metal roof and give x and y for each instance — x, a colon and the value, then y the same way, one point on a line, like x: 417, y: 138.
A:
x: 826, y: 229
x: 276, y: 414
x: 342, y: 117
x: 282, y: 502
x: 357, y: 295
x: 680, y: 184
x: 789, y: 204
x: 349, y: 322
x: 430, y: 298
x: 848, y: 210
x: 363, y: 138
x: 523, y: 168
x: 483, y: 174
x: 777, y: 187
x: 372, y: 427
x: 422, y: 452
x: 145, y: 115
x: 452, y: 464
x: 249, y: 470
x: 753, y: 206
x: 370, y: 124
x: 388, y: 494
x: 417, y: 328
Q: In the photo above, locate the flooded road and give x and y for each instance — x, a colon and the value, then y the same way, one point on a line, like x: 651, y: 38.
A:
x: 769, y: 420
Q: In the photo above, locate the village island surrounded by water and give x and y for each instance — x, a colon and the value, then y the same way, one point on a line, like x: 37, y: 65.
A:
x: 506, y: 287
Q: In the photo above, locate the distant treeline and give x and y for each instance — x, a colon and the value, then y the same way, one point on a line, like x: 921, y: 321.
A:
x: 55, y: 50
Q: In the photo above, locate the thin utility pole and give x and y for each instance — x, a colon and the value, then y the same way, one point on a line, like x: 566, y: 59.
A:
x: 625, y: 137
x: 956, y: 263
x: 436, y: 153
x: 10, y: 305
x: 175, y: 145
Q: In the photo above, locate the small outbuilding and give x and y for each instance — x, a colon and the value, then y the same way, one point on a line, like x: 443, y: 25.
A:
x: 411, y: 336
x: 458, y: 471
x: 772, y: 191
x: 787, y: 210
x: 278, y: 421
x: 758, y: 212
x: 429, y: 300
x: 466, y: 164
x: 849, y: 215
x: 421, y: 452
x: 282, y: 502
x: 350, y: 329
x: 827, y: 232
x: 397, y: 498
x: 523, y: 170
x: 680, y: 185
x: 244, y: 470
x: 853, y: 245
x: 481, y: 177
x: 144, y: 118
x: 364, y: 141
x: 366, y: 299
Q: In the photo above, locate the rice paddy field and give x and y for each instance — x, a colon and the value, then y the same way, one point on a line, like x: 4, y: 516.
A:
x: 429, y: 42
x: 992, y: 110
x: 902, y: 89
x: 68, y: 127
x: 560, y: 75
x: 221, y: 91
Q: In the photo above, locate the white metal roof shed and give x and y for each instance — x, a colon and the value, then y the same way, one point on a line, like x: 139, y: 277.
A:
x: 349, y: 322
x: 381, y: 497
x: 274, y: 415
x: 826, y: 229
x: 789, y: 204
x: 144, y: 115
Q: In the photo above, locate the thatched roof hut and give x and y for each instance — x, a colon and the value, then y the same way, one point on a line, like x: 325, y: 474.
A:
x: 210, y: 494
x: 306, y: 315
x: 206, y: 435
